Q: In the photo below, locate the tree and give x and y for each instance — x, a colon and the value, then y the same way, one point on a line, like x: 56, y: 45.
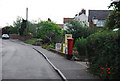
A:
x: 113, y: 20
x: 49, y: 31
x: 32, y: 28
x: 12, y: 30
x: 77, y: 29
x: 16, y: 26
x: 23, y: 27
x: 115, y: 4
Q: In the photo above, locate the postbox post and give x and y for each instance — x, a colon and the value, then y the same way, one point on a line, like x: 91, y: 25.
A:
x: 70, y: 51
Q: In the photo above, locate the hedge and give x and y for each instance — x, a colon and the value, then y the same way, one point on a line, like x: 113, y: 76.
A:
x: 104, y: 54
x: 80, y: 44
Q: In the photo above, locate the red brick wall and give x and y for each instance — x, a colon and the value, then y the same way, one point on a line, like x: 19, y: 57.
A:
x: 22, y: 38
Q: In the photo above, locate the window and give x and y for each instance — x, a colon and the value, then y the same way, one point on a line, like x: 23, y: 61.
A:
x: 100, y: 23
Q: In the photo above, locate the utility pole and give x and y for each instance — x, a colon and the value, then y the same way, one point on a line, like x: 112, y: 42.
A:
x: 26, y: 13
x: 26, y: 20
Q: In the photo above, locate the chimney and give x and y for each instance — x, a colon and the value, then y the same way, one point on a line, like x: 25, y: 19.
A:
x: 76, y: 14
x: 83, y: 11
x: 49, y: 19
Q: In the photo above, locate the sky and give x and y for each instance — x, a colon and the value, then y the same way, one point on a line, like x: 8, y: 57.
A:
x: 56, y: 10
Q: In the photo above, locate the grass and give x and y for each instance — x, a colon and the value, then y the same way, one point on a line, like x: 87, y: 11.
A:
x: 32, y: 41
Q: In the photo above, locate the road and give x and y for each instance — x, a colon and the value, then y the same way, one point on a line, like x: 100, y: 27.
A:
x: 20, y: 61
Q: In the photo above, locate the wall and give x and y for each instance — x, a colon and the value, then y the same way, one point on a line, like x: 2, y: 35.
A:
x: 22, y: 38
x: 83, y: 18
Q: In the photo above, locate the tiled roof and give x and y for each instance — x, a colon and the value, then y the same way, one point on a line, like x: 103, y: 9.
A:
x: 61, y: 25
x: 99, y: 14
x: 65, y: 20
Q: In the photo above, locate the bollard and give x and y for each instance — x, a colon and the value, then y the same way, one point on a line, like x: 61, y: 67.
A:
x: 70, y: 51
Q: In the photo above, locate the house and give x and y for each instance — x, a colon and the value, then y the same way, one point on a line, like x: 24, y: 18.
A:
x: 100, y: 15
x: 81, y: 16
x: 61, y: 25
x: 5, y: 30
x: 65, y: 21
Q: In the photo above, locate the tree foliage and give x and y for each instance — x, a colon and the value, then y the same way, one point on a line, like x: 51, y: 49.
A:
x: 32, y: 29
x: 49, y: 31
x: 77, y: 29
x: 23, y: 27
x: 115, y: 5
x: 19, y: 27
x: 16, y: 26
x: 113, y: 20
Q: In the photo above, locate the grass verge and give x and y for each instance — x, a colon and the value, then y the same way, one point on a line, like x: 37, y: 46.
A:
x: 32, y: 41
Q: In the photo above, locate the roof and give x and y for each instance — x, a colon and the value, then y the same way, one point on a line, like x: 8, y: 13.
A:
x: 61, y: 25
x: 99, y: 14
x: 65, y: 20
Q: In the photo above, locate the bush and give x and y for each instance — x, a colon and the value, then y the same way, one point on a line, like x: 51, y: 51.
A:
x: 81, y: 47
x: 104, y: 54
x: 50, y: 32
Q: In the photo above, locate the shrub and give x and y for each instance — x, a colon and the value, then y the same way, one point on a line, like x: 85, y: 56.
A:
x: 81, y: 47
x: 104, y: 54
x: 50, y: 32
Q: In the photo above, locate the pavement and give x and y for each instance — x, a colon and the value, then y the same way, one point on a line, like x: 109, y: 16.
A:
x: 70, y: 69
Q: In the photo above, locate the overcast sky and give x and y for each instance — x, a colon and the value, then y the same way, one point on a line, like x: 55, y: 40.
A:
x: 44, y: 9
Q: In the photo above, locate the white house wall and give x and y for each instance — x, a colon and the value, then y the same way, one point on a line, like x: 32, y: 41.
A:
x: 65, y: 26
x: 83, y: 18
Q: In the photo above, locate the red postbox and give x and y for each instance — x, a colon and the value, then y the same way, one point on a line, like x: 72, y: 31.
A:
x: 70, y: 46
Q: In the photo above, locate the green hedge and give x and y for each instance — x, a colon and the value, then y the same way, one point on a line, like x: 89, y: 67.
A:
x: 104, y: 54
x: 80, y: 44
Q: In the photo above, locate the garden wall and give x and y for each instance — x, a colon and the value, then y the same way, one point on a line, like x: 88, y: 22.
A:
x: 22, y: 38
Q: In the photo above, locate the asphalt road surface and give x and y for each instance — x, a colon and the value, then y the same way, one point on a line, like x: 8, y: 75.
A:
x: 20, y: 61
